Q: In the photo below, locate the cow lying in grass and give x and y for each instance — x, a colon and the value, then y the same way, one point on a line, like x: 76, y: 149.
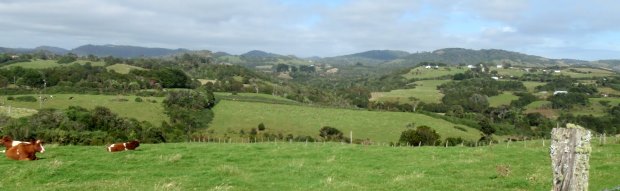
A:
x: 23, y: 150
x: 131, y: 145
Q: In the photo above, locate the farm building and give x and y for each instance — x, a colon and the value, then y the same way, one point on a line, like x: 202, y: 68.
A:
x: 560, y: 92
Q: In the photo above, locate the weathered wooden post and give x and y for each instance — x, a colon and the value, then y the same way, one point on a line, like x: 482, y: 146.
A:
x: 570, y: 153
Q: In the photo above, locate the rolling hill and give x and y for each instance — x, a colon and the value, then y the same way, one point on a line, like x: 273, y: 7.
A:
x: 124, y: 51
x: 372, y: 57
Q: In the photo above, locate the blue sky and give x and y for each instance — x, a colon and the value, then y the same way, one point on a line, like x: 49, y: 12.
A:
x: 586, y: 30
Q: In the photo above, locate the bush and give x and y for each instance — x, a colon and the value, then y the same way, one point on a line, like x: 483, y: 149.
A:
x: 10, y: 98
x: 261, y: 127
x: 330, y: 133
x: 138, y: 99
x: 26, y: 99
x: 423, y: 135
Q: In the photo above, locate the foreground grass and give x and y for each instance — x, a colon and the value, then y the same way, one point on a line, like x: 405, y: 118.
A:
x: 232, y: 116
x: 297, y: 166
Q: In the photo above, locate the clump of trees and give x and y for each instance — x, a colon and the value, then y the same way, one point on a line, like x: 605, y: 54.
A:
x: 420, y: 136
x: 80, y: 126
x: 331, y: 134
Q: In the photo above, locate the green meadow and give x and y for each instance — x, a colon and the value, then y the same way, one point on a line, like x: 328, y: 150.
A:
x: 502, y: 99
x: 233, y: 116
x: 123, y: 68
x: 425, y: 90
x: 421, y: 72
x: 125, y: 106
x: 41, y: 64
x: 299, y: 166
x: 586, y: 73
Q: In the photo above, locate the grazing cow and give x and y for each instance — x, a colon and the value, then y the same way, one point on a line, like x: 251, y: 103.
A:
x: 131, y: 145
x: 25, y: 151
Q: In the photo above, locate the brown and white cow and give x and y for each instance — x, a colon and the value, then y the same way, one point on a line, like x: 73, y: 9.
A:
x: 131, y: 145
x: 24, y: 151
x: 8, y: 142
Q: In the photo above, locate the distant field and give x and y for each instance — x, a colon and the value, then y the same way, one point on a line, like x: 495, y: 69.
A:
x: 588, y: 73
x: 502, y: 99
x: 297, y: 166
x: 254, y: 97
x: 531, y: 86
x: 40, y: 64
x: 426, y: 73
x: 516, y: 72
x: 232, y: 116
x: 426, y: 91
x: 123, y: 68
x: 152, y: 112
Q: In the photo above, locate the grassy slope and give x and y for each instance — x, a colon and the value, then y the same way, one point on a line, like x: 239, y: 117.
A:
x: 123, y: 68
x: 590, y: 72
x: 152, y: 112
x: 284, y: 166
x: 254, y: 97
x: 502, y: 99
x: 421, y: 72
x: 232, y: 116
x: 426, y: 91
x: 40, y: 64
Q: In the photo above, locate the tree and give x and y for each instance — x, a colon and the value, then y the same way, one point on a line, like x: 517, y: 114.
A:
x: 261, y: 127
x: 423, y: 135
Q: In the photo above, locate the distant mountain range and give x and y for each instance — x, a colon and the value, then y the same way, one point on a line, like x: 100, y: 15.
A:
x: 374, y: 57
x: 101, y: 51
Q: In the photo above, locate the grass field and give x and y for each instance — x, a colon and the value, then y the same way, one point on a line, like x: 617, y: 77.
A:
x: 297, y: 166
x: 123, y: 68
x: 426, y: 91
x: 147, y: 111
x: 502, y: 99
x: 586, y: 73
x: 531, y: 86
x: 16, y: 112
x: 232, y: 116
x: 427, y: 73
x: 254, y: 97
x: 40, y: 64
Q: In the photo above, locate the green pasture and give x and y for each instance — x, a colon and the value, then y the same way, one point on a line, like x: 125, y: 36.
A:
x: 16, y: 112
x: 123, y: 68
x: 233, y: 116
x: 586, y: 73
x: 253, y: 97
x: 595, y: 108
x: 502, y: 99
x: 608, y: 90
x: 41, y: 64
x: 300, y: 166
x: 516, y: 72
x: 425, y: 90
x: 538, y: 105
x: 531, y: 86
x: 421, y: 72
x: 142, y: 111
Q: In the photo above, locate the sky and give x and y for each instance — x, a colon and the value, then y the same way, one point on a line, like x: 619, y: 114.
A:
x: 576, y: 29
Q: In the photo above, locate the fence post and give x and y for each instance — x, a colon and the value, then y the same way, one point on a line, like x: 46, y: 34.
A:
x: 570, y: 154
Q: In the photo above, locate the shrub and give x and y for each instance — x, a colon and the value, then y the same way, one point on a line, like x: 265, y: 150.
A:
x: 330, y: 133
x: 138, y: 99
x: 261, y: 127
x: 451, y: 141
x: 26, y: 99
x: 423, y: 135
x: 10, y: 98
